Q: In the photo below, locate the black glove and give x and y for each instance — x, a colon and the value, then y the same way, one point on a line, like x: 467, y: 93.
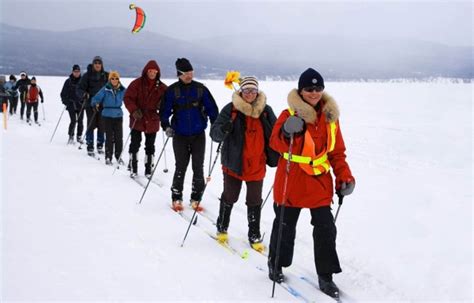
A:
x: 169, y: 132
x: 347, y: 188
x: 227, y: 127
x: 293, y: 125
x: 42, y: 100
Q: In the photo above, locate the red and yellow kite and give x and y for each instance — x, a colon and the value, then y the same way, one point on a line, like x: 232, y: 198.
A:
x: 140, y: 19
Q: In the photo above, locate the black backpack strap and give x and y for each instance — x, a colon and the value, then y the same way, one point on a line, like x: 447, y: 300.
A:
x: 196, y: 103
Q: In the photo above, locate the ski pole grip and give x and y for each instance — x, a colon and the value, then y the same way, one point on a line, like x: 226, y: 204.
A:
x: 341, y: 198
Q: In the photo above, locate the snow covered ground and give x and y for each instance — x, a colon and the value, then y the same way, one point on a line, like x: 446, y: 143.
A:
x: 72, y: 231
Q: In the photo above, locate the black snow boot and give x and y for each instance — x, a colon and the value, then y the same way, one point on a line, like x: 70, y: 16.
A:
x: 133, y: 165
x: 327, y: 286
x: 253, y: 216
x: 224, y: 217
x: 275, y: 274
x: 149, y: 165
x: 100, y: 148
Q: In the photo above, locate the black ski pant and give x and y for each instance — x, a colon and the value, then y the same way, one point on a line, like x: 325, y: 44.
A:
x: 23, y: 104
x: 94, y: 121
x: 13, y: 104
x: 185, y: 147
x: 232, y: 187
x: 113, y: 137
x: 76, y: 117
x: 33, y: 106
x: 324, y: 238
x: 136, y: 139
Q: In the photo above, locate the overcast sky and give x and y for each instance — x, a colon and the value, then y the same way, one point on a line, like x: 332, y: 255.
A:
x: 447, y: 22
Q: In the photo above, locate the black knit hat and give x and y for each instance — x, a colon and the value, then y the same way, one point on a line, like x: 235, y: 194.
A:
x: 33, y: 78
x: 12, y: 77
x: 76, y: 67
x: 183, y: 65
x: 97, y: 58
x: 310, y: 77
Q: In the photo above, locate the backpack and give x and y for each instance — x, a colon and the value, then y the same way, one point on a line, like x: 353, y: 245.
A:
x: 33, y: 93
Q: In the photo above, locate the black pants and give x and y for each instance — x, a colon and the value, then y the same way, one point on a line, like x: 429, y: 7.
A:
x: 232, y: 187
x: 324, y: 238
x: 76, y: 116
x: 185, y: 147
x: 113, y: 136
x: 94, y: 120
x: 13, y: 104
x: 23, y: 104
x: 136, y: 139
x: 33, y: 106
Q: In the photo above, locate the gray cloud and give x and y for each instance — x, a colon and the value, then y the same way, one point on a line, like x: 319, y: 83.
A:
x: 447, y: 22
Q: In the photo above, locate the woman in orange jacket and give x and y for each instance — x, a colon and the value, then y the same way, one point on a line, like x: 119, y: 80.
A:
x: 312, y: 121
x: 244, y: 126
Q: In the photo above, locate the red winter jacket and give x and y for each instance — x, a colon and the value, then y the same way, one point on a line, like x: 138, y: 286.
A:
x: 304, y: 190
x: 140, y: 95
x: 253, y: 153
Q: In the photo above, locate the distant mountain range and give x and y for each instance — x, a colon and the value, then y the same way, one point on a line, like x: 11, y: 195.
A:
x: 266, y: 56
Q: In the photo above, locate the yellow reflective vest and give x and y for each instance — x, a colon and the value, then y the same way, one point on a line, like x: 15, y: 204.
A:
x: 311, y: 163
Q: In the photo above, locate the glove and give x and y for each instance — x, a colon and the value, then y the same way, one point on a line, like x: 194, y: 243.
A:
x: 347, y: 188
x: 227, y: 127
x: 169, y: 132
x: 42, y: 100
x: 293, y: 125
x: 137, y: 115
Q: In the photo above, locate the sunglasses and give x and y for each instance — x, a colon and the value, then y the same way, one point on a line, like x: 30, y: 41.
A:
x: 311, y: 89
x: 185, y: 73
x: 97, y: 62
x: 250, y: 91
x: 114, y: 78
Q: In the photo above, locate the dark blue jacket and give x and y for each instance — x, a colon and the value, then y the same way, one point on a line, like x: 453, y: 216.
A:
x: 190, y: 105
x: 69, y: 96
x: 111, y: 100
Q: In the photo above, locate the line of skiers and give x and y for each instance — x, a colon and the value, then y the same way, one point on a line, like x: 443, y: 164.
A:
x: 25, y: 89
x: 305, y: 143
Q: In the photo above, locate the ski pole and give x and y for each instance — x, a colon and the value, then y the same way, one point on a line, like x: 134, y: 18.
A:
x: 154, y: 169
x: 265, y: 201
x: 341, y: 197
x: 44, y: 115
x: 125, y: 144
x: 282, y: 211
x: 87, y: 129
x: 205, y: 185
x: 57, y: 124
x: 166, y: 164
x: 210, y: 158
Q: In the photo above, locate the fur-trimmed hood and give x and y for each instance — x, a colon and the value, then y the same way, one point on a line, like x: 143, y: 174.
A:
x: 253, y: 109
x: 308, y: 113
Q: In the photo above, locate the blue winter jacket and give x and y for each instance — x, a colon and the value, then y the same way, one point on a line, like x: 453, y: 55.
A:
x: 111, y: 100
x: 190, y: 105
x: 10, y: 88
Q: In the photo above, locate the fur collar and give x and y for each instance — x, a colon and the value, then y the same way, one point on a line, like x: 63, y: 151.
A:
x: 308, y: 113
x: 254, y: 109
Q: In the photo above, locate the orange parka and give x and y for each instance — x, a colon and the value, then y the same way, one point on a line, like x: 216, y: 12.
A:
x: 305, y: 190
